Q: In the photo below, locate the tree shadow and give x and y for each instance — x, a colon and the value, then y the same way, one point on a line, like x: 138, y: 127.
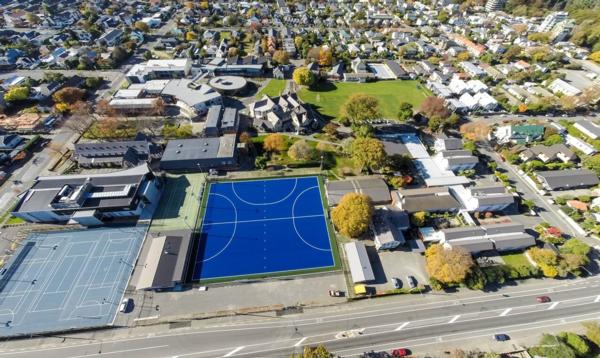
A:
x: 172, y: 199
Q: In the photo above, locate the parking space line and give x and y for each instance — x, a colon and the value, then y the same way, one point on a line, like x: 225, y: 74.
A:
x: 553, y: 305
x: 300, y: 342
x: 234, y: 351
x: 402, y: 326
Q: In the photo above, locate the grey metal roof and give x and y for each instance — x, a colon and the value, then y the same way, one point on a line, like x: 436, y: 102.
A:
x: 462, y: 232
x: 513, y: 241
x: 106, y: 149
x: 427, y: 199
x: 213, y: 116
x: 230, y: 118
x: 569, y: 178
x: 473, y: 245
x: 358, y: 260
x: 200, y: 148
x: 496, y: 229
x: 165, y: 263
x: 375, y: 188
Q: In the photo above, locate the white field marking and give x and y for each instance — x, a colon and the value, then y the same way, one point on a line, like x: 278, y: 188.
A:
x: 553, y: 305
x: 296, y: 229
x: 269, y: 203
x: 121, y: 351
x: 234, y: 351
x: 597, y: 299
x: 234, y: 228
x: 453, y: 319
x: 318, y: 320
x: 402, y: 326
x: 505, y: 312
x: 260, y: 220
x: 300, y: 342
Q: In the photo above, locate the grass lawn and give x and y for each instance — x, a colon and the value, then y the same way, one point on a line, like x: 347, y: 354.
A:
x: 328, y: 98
x: 273, y: 88
x: 515, y: 260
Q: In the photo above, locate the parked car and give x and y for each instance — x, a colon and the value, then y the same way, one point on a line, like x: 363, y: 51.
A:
x: 400, y: 352
x: 412, y: 281
x: 336, y: 293
x: 543, y: 299
x: 396, y: 281
x: 501, y: 337
x: 125, y: 305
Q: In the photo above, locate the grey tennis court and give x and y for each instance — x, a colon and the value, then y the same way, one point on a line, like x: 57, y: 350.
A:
x: 67, y: 280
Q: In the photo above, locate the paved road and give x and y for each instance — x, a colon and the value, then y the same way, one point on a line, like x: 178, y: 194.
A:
x: 354, y: 330
x: 499, y: 118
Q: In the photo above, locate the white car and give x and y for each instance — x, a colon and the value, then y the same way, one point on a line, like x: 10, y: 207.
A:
x: 125, y: 305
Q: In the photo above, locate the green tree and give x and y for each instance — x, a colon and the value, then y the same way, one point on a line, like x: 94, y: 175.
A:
x: 575, y: 246
x: 141, y: 26
x: 361, y: 107
x: 529, y: 204
x: 552, y: 347
x: 435, y: 124
x: 314, y: 352
x: 419, y: 218
x: 405, y: 112
x: 368, y: 153
x: 592, y: 332
x: 17, y: 93
x: 592, y: 162
x: 553, y: 139
x: 352, y: 216
x: 261, y: 162
x: 303, y: 76
x: 578, y: 344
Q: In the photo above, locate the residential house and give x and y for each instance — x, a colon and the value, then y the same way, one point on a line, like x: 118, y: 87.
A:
x: 125, y: 154
x: 518, y: 134
x: 567, y: 179
x: 283, y: 113
x: 548, y: 154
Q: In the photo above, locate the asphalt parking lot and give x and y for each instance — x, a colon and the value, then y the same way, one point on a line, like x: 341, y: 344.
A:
x: 399, y: 263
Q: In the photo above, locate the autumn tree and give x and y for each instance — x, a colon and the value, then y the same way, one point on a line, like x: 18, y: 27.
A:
x: 330, y: 129
x: 300, y: 150
x: 303, y: 76
x: 595, y: 56
x: 353, y: 214
x: 141, y: 26
x: 434, y: 107
x: 368, y: 153
x: 405, y: 112
x: 274, y: 143
x: 325, y: 57
x: 103, y: 108
x: 592, y: 332
x: 158, y: 106
x: 281, y: 57
x: 68, y: 95
x: 448, y: 266
x: 361, y: 107
x: 314, y: 352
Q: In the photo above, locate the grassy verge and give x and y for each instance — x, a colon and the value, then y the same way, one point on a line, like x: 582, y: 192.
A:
x: 515, y: 260
x: 274, y: 88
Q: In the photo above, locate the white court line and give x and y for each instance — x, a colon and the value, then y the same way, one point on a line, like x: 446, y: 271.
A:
x: 269, y: 203
x: 122, y: 351
x: 234, y: 228
x: 454, y: 319
x: 267, y: 219
x: 553, y: 305
x: 505, y: 312
x: 300, y: 342
x: 234, y: 351
x: 402, y: 326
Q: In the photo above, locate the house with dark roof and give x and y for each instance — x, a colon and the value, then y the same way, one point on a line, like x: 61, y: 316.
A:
x: 221, y: 121
x: 90, y: 199
x: 125, y: 154
x: 567, y: 179
x: 284, y: 113
x: 200, y: 154
x: 9, y: 142
x: 375, y: 188
x: 556, y: 152
x: 111, y: 37
x: 434, y: 199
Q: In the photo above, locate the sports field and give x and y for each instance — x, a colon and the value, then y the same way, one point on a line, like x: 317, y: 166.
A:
x: 179, y: 203
x: 329, y: 97
x: 67, y: 280
x: 265, y: 227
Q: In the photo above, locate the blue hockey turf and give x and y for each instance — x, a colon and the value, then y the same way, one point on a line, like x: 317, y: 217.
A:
x: 263, y: 226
